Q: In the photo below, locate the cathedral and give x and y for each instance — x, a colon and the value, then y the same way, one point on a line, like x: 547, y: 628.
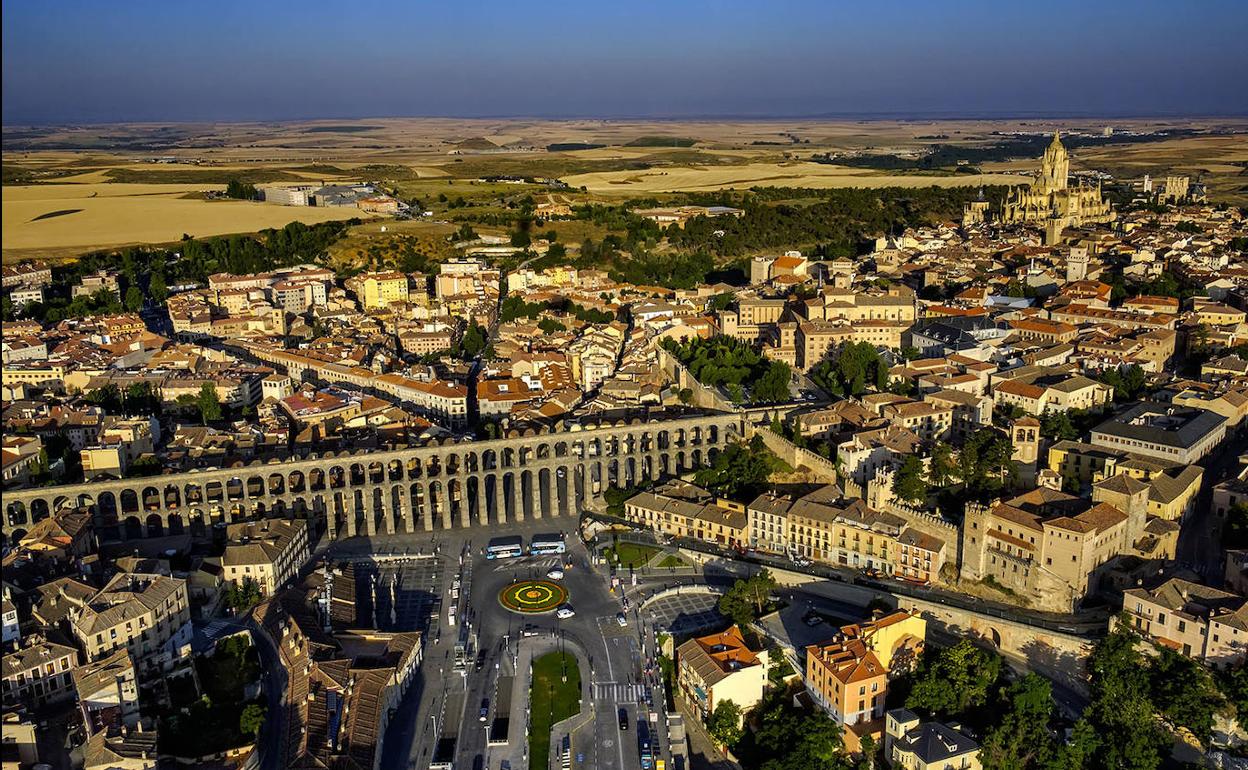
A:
x: 1050, y: 199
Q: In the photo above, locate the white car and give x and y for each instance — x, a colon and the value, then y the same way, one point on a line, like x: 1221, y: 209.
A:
x: 565, y: 612
x: 555, y: 574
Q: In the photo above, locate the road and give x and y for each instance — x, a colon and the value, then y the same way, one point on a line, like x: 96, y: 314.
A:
x: 446, y: 699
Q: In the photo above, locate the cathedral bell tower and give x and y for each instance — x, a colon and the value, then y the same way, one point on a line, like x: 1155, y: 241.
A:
x: 1054, y: 167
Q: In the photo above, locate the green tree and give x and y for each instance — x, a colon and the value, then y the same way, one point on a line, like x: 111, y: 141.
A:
x: 741, y: 470
x: 748, y: 597
x: 1020, y: 740
x: 908, y: 483
x: 1121, y: 712
x: 250, y: 721
x: 209, y: 404
x: 852, y: 370
x: 1184, y: 693
x: 685, y: 396
x: 954, y: 680
x: 156, y: 288
x: 724, y: 723
x: 940, y: 467
x: 773, y: 386
x: 236, y: 188
x: 134, y: 298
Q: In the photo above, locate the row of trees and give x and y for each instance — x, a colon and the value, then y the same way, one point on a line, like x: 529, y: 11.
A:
x: 736, y: 366
x: 1136, y: 700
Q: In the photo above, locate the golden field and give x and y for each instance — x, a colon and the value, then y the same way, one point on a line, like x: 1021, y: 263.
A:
x: 106, y: 214
x: 785, y: 174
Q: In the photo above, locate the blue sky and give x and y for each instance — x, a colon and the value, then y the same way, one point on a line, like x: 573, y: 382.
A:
x: 93, y: 61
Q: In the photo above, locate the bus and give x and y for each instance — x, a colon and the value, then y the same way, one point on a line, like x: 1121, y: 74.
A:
x: 505, y: 547
x: 543, y: 545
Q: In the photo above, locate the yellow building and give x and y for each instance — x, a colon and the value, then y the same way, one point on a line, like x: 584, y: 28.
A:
x: 848, y: 675
x: 379, y: 290
x: 269, y: 552
x: 681, y: 509
x: 910, y: 744
x: 721, y: 667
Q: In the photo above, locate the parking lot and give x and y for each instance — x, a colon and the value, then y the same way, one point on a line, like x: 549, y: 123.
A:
x: 686, y: 613
x: 406, y: 595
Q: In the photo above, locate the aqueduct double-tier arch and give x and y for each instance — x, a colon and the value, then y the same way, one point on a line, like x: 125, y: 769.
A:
x: 439, y: 485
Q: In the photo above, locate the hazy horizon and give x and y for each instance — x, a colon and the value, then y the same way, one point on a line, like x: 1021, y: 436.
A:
x: 83, y: 63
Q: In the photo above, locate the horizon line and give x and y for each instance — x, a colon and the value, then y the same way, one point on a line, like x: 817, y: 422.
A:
x: 862, y: 116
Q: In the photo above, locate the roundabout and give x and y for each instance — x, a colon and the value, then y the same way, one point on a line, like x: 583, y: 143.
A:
x: 531, y: 597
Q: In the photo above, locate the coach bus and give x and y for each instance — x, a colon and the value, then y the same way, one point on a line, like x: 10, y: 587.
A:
x: 505, y: 547
x: 547, y: 544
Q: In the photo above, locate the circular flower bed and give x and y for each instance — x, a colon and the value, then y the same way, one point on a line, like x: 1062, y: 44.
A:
x: 533, y: 596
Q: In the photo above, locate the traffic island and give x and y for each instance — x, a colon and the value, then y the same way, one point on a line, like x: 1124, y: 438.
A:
x: 531, y: 597
x: 554, y: 695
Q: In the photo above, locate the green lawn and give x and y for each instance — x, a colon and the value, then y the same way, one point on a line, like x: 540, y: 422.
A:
x: 631, y: 554
x: 670, y: 561
x: 551, y: 700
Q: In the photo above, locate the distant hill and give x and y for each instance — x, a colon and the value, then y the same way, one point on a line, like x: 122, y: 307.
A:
x: 476, y: 143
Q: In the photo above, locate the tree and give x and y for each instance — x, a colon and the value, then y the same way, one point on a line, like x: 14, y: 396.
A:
x: 134, y: 298
x: 250, y: 721
x: 1184, y: 693
x: 237, y: 188
x: 773, y: 386
x: 741, y: 470
x: 1057, y: 426
x: 724, y: 723
x: 1121, y: 713
x: 685, y: 395
x: 1020, y: 740
x: 908, y: 483
x: 853, y: 369
x: 940, y: 467
x: 954, y: 680
x: 520, y: 239
x: 748, y: 597
x: 156, y: 288
x: 208, y: 402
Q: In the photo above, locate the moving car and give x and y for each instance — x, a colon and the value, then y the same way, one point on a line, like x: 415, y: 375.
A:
x: 623, y: 720
x: 555, y: 574
x: 565, y: 612
x: 621, y: 619
x: 485, y: 709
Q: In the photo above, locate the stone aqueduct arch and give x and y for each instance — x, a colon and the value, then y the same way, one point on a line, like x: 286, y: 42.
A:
x: 436, y: 486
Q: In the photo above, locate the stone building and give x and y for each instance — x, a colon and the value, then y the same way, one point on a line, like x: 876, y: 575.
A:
x: 1051, y: 199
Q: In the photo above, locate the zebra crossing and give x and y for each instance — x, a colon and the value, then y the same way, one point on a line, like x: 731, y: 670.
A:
x: 618, y: 692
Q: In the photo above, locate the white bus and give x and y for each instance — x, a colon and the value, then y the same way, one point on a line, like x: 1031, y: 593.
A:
x: 547, y: 544
x: 505, y: 547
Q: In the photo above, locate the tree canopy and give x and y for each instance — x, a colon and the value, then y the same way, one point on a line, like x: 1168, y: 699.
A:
x: 741, y: 470
x: 735, y: 365
x: 852, y: 370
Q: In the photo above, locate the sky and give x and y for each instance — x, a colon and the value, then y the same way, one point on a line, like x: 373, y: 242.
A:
x: 91, y: 61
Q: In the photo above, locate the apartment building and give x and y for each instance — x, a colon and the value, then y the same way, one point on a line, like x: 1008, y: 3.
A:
x: 270, y: 552
x: 1204, y: 623
x: 108, y: 692
x: 379, y: 290
x: 680, y: 509
x: 147, y: 614
x: 38, y: 673
x: 848, y: 674
x: 720, y: 667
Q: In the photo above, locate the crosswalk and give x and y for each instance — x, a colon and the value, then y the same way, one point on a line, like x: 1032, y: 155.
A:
x: 618, y: 692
